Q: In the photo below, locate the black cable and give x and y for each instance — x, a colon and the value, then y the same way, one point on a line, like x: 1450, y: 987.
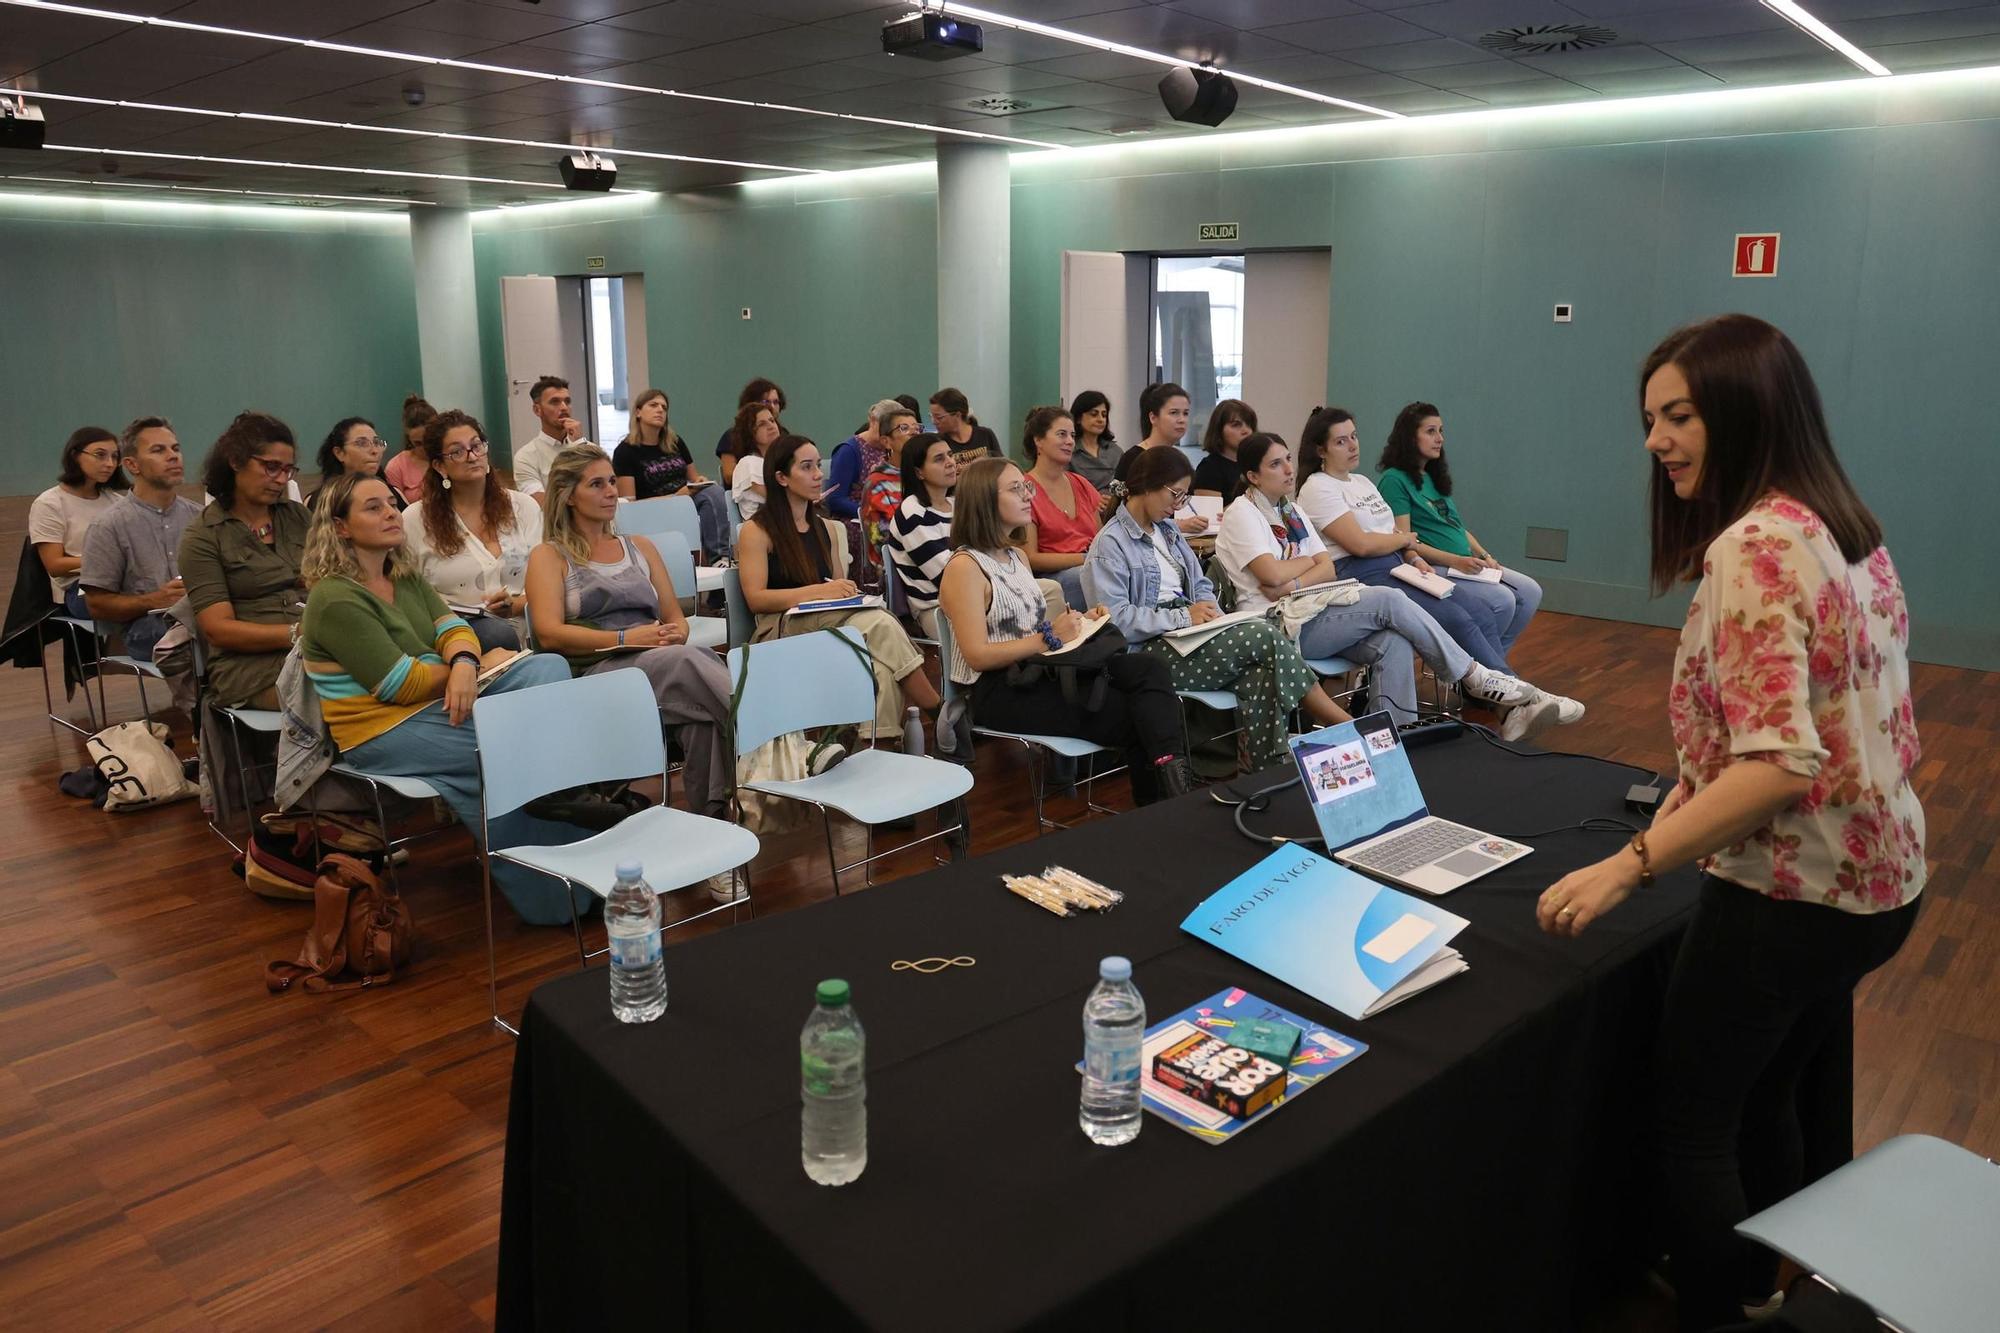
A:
x: 1257, y: 802
x: 1487, y: 734
x: 1594, y: 824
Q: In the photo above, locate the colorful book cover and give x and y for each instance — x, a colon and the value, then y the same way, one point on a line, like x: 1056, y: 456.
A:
x: 1341, y: 938
x: 1320, y: 1053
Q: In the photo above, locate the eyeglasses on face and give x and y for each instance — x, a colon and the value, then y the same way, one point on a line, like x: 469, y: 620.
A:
x: 368, y: 442
x: 1024, y: 489
x: 276, y: 469
x: 471, y: 449
x: 98, y: 455
x: 1178, y: 496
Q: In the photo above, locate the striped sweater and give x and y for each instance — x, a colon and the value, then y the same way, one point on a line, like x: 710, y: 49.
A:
x: 373, y: 662
x: 921, y: 547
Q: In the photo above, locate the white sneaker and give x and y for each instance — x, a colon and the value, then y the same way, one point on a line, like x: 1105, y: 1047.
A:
x: 1526, y: 721
x: 1567, y: 710
x: 724, y: 888
x: 1497, y: 687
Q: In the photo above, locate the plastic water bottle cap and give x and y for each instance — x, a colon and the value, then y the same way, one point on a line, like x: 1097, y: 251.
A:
x: 1115, y: 968
x: 832, y: 993
x: 631, y: 870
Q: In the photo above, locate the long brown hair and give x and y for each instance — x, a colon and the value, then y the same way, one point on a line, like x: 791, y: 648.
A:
x: 743, y: 434
x: 1151, y: 470
x: 496, y: 510
x: 670, y: 442
x: 1402, y: 454
x: 1766, y: 432
x: 1313, y: 439
x: 788, y: 545
x: 975, y: 508
x: 1226, y: 411
x: 1039, y: 422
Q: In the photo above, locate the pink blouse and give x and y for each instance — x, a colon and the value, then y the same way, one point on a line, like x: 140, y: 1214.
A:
x: 1792, y: 656
x: 1056, y: 531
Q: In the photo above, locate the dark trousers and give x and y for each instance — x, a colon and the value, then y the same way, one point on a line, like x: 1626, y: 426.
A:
x: 1762, y: 993
x: 1140, y: 714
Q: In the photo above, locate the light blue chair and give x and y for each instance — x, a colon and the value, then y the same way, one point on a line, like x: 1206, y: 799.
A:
x: 741, y: 623
x: 703, y: 631
x: 658, y: 516
x: 75, y: 631
x: 1035, y: 745
x: 1328, y: 667
x: 735, y: 515
x: 827, y: 679
x: 601, y: 728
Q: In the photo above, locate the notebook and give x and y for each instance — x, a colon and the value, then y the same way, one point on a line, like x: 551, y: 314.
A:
x: 1483, y: 576
x: 837, y: 604
x: 1433, y: 584
x: 1210, y: 508
x: 1372, y: 814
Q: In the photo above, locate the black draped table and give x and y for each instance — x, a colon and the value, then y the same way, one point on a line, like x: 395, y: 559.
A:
x: 1481, y: 1166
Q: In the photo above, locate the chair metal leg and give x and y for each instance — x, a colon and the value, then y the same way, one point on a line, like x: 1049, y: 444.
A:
x: 832, y: 861
x: 576, y: 924
x: 243, y: 784
x: 492, y: 962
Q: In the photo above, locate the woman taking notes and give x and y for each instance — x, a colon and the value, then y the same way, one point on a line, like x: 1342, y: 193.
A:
x: 470, y: 535
x: 1791, y: 714
x: 1144, y: 572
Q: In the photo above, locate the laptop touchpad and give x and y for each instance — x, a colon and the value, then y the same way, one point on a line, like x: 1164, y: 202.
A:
x: 1467, y: 863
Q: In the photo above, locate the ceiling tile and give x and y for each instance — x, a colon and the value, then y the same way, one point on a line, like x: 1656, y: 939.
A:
x: 1253, y: 14
x: 1418, y: 55
x: 1680, y: 25
x: 1474, y: 18
x: 1653, y: 82
x: 1349, y: 33
x: 1818, y: 63
x: 514, y: 23
x: 1464, y: 78
x: 693, y: 22
x: 1938, y: 26
x: 1964, y: 52
x: 1581, y: 65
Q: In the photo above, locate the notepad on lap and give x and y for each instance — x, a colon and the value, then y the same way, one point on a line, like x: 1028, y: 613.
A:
x: 1091, y: 624
x: 1483, y: 576
x: 1416, y: 578
x: 1191, y: 637
x: 837, y: 604
x: 1210, y: 508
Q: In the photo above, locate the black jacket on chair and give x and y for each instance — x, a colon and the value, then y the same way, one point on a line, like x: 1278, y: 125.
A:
x: 28, y: 632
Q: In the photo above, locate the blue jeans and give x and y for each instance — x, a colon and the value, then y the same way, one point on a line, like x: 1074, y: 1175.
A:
x: 1512, y: 602
x: 1470, y: 621
x: 713, y: 511
x: 1386, y: 631
x: 426, y: 745
x: 1071, y: 582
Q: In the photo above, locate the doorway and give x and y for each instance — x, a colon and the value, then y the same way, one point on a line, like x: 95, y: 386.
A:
x: 1197, y: 330
x: 588, y: 330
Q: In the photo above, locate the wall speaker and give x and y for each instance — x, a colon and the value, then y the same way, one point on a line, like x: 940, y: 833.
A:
x: 1198, y: 96
x: 588, y: 171
x: 21, y: 126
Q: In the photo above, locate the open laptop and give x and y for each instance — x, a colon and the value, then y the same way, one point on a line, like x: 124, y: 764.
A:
x: 1372, y: 814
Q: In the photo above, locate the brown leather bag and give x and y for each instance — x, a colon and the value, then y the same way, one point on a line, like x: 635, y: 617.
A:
x: 361, y: 932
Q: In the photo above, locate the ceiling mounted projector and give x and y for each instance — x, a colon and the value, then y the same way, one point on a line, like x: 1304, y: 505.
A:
x: 1198, y: 96
x: 21, y: 125
x: 932, y: 37
x: 588, y: 171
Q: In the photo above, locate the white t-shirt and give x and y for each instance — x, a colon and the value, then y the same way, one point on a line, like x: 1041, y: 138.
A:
x: 1245, y: 535
x: 531, y: 463
x: 1325, y: 498
x: 58, y: 516
x: 1172, y: 585
x: 457, y: 576
x: 749, y: 472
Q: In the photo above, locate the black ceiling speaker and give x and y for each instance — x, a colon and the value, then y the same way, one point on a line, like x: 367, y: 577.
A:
x: 21, y: 125
x: 588, y: 171
x: 1198, y: 96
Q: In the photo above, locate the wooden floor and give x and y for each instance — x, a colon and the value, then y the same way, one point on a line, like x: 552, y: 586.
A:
x: 180, y: 1150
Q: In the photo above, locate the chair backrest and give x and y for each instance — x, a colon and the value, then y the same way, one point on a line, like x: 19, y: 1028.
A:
x: 741, y: 623
x: 822, y: 679
x: 547, y: 738
x: 659, y: 515
x: 679, y: 561
x: 948, y: 688
x: 735, y: 514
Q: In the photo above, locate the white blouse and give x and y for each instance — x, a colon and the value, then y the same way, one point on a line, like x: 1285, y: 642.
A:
x: 457, y: 577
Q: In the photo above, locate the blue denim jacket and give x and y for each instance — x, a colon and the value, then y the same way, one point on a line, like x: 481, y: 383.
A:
x: 1121, y: 574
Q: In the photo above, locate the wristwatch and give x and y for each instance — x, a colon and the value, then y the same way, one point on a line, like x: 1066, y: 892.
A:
x: 473, y: 658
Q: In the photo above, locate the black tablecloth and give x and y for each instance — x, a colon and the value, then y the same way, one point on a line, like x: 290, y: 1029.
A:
x: 1480, y: 1166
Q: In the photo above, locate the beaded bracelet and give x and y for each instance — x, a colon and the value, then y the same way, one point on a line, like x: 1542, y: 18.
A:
x: 1048, y: 633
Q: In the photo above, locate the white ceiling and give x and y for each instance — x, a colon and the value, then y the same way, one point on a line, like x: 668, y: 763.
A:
x: 1409, y: 56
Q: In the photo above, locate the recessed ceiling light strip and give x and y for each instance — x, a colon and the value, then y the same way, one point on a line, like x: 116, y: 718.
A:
x: 1159, y: 57
x: 312, y: 166
x: 1826, y: 36
x: 313, y: 123
x: 412, y: 58
x: 380, y: 200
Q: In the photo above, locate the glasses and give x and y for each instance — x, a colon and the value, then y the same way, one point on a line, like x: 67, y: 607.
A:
x: 470, y: 450
x: 276, y: 470
x: 1179, y: 497
x: 99, y: 455
x: 772, y: 401
x: 1024, y: 489
x: 903, y: 428
x: 368, y: 442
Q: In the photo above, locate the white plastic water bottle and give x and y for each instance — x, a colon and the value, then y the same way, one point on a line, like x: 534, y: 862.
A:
x: 913, y: 731
x: 833, y: 1126
x: 1114, y: 1030
x: 638, y: 968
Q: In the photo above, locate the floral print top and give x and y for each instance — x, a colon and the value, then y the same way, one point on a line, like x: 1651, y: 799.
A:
x: 1791, y: 656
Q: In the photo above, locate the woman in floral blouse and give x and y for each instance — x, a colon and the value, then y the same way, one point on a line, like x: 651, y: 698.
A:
x: 1791, y: 714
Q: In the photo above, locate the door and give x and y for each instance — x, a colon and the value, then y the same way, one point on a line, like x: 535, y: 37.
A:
x: 543, y: 335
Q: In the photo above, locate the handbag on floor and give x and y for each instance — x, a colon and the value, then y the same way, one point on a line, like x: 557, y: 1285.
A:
x: 361, y: 933
x: 139, y: 768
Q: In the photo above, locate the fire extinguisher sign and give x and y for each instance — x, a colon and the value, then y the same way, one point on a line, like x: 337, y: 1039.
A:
x: 1757, y: 254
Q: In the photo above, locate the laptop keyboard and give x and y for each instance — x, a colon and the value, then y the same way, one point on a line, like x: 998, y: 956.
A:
x: 1427, y: 842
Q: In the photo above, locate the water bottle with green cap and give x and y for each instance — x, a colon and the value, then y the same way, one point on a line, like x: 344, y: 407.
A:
x: 834, y: 1120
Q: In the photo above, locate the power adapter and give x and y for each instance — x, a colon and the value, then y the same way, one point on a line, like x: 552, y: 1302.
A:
x: 1643, y: 798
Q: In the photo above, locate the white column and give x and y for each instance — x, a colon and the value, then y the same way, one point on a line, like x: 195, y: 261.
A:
x: 974, y: 266
x: 447, y: 307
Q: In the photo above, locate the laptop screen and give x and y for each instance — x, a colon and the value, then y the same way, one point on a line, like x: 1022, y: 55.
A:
x: 1359, y: 779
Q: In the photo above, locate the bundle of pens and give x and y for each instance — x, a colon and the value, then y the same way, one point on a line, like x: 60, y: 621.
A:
x: 1063, y: 891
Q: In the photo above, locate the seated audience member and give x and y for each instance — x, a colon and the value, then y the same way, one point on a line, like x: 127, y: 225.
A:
x: 734, y: 445
x: 1143, y: 571
x: 605, y: 602
x: 129, y: 574
x: 922, y: 541
x: 998, y: 619
x: 240, y: 561
x: 351, y: 446
x: 549, y: 396
x: 1163, y: 421
x: 861, y: 453
x: 792, y: 553
x: 396, y: 673
x: 1269, y: 550
x: 1064, y: 505
x: 757, y: 426
x: 1416, y: 482
x: 1232, y: 422
x: 88, y: 487
x: 406, y: 470
x: 470, y: 535
x: 1097, y: 449
x: 952, y: 415
x: 654, y: 461
x: 1361, y: 535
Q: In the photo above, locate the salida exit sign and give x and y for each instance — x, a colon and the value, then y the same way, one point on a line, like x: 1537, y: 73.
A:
x: 1756, y: 254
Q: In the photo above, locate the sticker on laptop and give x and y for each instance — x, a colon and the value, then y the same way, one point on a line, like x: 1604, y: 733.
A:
x: 1337, y: 771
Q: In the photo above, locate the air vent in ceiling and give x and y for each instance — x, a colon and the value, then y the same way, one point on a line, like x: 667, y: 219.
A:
x: 1542, y: 39
x: 1005, y: 104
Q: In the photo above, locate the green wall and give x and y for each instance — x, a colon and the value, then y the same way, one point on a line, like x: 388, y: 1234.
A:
x: 110, y: 310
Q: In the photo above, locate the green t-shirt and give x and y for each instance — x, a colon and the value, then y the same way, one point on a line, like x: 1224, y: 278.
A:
x: 1433, y: 517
